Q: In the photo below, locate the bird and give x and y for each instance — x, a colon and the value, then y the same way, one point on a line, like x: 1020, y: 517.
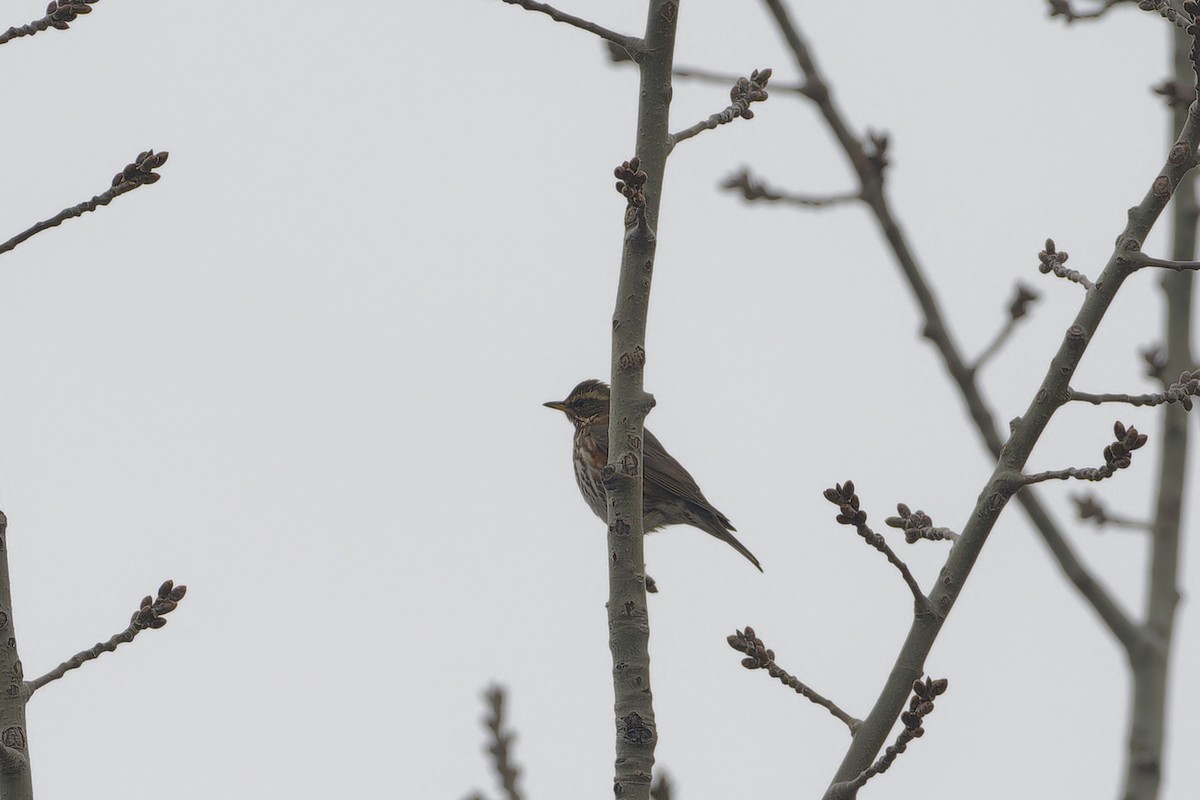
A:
x: 670, y: 495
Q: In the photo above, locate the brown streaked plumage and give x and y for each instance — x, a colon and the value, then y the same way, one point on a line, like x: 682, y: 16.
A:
x: 670, y: 495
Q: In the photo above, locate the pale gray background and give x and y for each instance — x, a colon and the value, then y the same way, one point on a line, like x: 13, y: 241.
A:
x: 303, y: 374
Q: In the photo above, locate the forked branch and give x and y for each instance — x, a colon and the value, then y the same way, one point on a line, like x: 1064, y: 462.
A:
x: 850, y: 513
x: 920, y: 705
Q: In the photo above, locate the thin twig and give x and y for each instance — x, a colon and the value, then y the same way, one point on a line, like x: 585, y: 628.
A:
x: 1053, y: 260
x: 920, y: 705
x: 1002, y: 336
x: 753, y: 188
x: 850, y: 513
x: 1117, y: 456
x: 150, y: 614
x: 1182, y: 392
x: 932, y: 535
x: 1063, y: 8
x: 918, y: 525
x: 59, y: 15
x: 500, y: 745
x: 1141, y: 260
x: 727, y: 78
x: 1165, y: 10
x: 1018, y: 307
x: 758, y: 656
x: 1092, y: 510
x: 744, y: 92
x: 1107, y: 397
x: 629, y: 43
x: 138, y: 173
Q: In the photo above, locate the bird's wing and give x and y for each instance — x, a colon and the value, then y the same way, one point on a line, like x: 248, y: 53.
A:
x: 662, y: 474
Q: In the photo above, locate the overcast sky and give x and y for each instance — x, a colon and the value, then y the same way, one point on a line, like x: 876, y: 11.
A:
x: 303, y: 374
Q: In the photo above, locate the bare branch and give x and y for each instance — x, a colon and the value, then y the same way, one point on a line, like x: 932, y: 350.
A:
x: 1141, y: 260
x: 1182, y: 392
x: 500, y: 744
x: 843, y: 496
x: 136, y: 174
x: 1063, y: 8
x: 1052, y: 261
x: 1177, y: 95
x: 59, y: 14
x: 920, y: 705
x: 1149, y: 710
x: 938, y: 332
x: 630, y: 44
x: 15, y: 780
x: 918, y: 525
x: 754, y: 189
x: 150, y: 614
x: 744, y: 92
x: 726, y: 78
x: 1164, y: 9
x: 1018, y: 307
x: 1092, y: 510
x: 628, y: 618
x: 758, y: 656
x: 1117, y: 456
x: 1025, y: 431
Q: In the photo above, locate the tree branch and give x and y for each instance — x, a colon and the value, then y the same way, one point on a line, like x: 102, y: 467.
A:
x: 1063, y: 8
x: 629, y: 43
x: 1090, y: 509
x: 1147, y: 732
x: 151, y: 613
x: 136, y: 174
x: 849, y: 513
x: 499, y: 747
x: 744, y: 92
x: 758, y: 656
x: 641, y: 182
x: 59, y: 14
x: 753, y: 188
x: 1141, y: 260
x: 1117, y: 456
x: 1018, y: 307
x: 918, y: 525
x: 15, y: 781
x: 1182, y: 392
x: 1052, y: 260
x: 919, y: 707
x: 935, y: 329
x: 1025, y: 430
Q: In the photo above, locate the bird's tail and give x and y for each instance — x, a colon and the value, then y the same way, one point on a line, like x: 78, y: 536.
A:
x: 733, y: 542
x: 718, y: 525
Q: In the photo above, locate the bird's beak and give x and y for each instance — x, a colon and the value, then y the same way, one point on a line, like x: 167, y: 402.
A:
x: 557, y: 405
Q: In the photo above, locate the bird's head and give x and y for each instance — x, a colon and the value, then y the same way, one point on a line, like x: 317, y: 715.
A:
x: 586, y: 404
